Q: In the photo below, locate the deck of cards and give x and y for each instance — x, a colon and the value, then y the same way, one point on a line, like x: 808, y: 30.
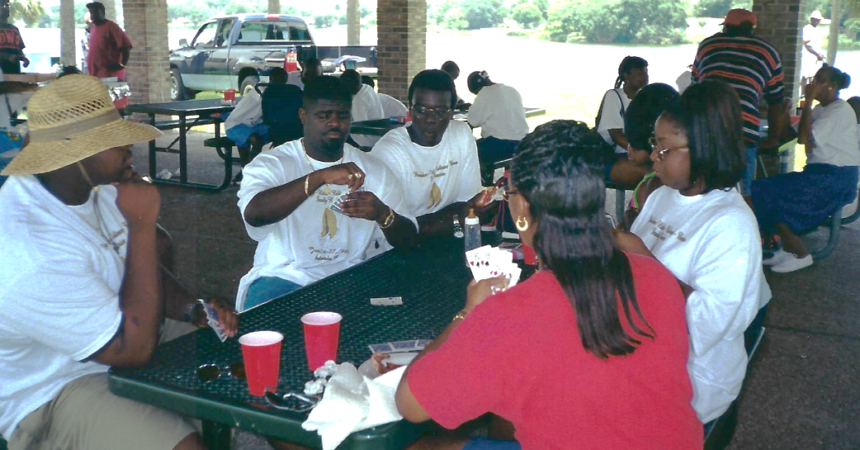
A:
x: 336, y: 205
x: 490, y: 262
x: 212, y: 319
x: 413, y: 345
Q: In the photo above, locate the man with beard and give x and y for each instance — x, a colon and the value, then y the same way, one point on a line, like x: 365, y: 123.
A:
x: 435, y: 158
x: 317, y: 205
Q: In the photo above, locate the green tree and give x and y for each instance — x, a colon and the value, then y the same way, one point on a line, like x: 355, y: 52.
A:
x: 483, y: 13
x: 719, y: 8
x: 30, y: 13
x: 365, y: 11
x: 613, y: 21
x: 455, y: 20
x: 563, y: 20
x: 325, y: 21
x: 542, y: 5
x: 527, y: 15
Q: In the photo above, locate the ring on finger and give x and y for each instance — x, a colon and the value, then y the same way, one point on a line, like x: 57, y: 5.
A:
x: 358, y: 175
x: 349, y: 177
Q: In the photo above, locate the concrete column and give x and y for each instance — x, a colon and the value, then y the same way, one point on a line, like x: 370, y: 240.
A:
x: 148, y: 67
x: 68, y: 47
x: 353, y: 22
x: 110, y: 8
x: 780, y: 23
x: 274, y: 6
x: 402, y: 44
x: 833, y: 38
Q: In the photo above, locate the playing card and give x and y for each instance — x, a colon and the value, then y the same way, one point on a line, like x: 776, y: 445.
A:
x: 337, y: 204
x: 404, y: 346
x: 499, y: 263
x: 386, y: 301
x: 423, y: 343
x: 212, y: 320
x: 479, y: 261
x: 377, y: 348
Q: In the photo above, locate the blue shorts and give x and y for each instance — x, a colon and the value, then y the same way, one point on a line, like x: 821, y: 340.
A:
x: 490, y: 444
x: 266, y: 289
x: 240, y: 133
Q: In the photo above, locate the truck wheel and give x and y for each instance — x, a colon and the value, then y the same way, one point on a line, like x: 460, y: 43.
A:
x: 248, y: 83
x: 177, y: 89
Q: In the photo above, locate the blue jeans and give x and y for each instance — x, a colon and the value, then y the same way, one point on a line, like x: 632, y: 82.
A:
x: 750, y: 156
x: 266, y: 289
x: 490, y: 444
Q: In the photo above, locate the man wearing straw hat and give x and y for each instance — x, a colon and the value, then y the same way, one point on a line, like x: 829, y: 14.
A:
x: 80, y: 289
x: 812, y: 56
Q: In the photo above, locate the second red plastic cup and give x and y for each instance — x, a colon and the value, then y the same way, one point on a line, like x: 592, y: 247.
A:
x: 322, y: 333
x: 261, y: 353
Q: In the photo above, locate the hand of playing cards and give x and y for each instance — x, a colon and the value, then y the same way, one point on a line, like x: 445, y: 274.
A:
x: 337, y: 204
x: 223, y: 332
x: 490, y: 262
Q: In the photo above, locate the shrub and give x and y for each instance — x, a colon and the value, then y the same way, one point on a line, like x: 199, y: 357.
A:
x: 527, y: 15
x: 483, y: 13
x: 613, y: 21
x: 455, y: 20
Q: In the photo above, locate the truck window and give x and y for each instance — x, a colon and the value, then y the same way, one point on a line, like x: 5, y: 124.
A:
x: 260, y: 31
x: 206, y: 36
x: 299, y: 32
x: 223, y: 37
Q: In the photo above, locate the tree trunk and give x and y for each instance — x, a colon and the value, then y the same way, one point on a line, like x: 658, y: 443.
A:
x: 833, y: 39
x: 353, y: 22
x: 68, y: 46
x: 274, y: 6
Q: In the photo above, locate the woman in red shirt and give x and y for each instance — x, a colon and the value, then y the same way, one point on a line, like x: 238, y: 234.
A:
x: 589, y: 353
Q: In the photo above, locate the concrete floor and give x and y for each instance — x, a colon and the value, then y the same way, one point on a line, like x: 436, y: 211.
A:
x: 801, y: 391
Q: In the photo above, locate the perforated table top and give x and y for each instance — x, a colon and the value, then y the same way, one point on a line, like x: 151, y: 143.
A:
x: 431, y: 281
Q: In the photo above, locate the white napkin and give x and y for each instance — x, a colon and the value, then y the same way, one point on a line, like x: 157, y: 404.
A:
x: 353, y: 402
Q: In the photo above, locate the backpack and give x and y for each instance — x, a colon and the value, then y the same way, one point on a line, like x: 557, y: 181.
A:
x: 600, y: 110
x: 280, y: 104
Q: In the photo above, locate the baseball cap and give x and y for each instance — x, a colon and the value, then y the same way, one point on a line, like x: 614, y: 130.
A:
x: 738, y: 16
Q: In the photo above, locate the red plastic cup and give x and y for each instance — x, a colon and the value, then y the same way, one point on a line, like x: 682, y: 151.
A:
x: 322, y: 332
x: 230, y: 95
x: 261, y: 353
x: 529, y: 256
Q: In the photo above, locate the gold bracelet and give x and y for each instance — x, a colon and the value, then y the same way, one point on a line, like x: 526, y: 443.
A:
x: 307, y: 178
x: 389, y: 221
x: 460, y: 315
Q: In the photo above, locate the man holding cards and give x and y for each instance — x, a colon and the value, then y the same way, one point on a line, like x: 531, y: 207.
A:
x: 317, y: 205
x: 80, y: 288
x: 435, y: 158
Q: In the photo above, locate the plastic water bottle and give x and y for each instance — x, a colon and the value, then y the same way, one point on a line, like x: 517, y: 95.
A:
x: 473, y: 231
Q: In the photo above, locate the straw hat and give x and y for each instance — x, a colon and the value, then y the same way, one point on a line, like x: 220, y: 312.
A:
x: 72, y: 119
x: 816, y: 15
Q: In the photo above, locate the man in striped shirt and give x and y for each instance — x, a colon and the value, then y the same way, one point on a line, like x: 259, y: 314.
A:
x: 751, y: 66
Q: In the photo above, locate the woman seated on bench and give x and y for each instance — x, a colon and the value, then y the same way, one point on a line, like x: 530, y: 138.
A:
x: 596, y: 341
x: 698, y: 225
x: 793, y: 203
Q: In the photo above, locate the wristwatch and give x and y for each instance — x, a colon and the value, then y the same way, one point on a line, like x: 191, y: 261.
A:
x: 193, y: 311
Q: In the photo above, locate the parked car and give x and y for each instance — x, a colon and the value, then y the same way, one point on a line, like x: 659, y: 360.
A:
x: 238, y: 51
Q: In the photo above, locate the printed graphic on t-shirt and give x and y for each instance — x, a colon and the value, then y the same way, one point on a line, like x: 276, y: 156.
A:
x: 437, y: 172
x: 10, y: 39
x: 663, y: 230
x: 327, y: 196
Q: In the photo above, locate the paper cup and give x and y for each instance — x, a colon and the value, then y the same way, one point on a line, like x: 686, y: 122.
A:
x: 529, y: 256
x: 322, y: 332
x: 261, y: 352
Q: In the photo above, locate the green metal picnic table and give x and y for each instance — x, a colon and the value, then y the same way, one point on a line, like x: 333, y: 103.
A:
x: 432, y: 282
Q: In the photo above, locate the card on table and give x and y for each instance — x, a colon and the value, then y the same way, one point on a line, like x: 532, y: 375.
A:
x: 386, y: 301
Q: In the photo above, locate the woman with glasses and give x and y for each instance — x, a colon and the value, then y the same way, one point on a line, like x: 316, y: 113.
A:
x: 796, y: 202
x: 593, y: 342
x: 700, y: 228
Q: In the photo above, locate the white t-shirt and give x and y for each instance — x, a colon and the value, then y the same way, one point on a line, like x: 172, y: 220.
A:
x: 249, y: 111
x: 498, y: 110
x: 391, y: 107
x: 366, y: 106
x: 834, y: 135
x: 60, y: 280
x: 433, y: 177
x: 313, y: 242
x: 612, y: 117
x: 710, y: 242
x: 809, y: 63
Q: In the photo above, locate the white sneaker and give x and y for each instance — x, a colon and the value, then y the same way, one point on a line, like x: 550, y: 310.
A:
x: 792, y: 264
x: 778, y: 257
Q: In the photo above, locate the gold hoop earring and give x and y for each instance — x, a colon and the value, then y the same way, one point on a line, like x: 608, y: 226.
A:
x: 522, y: 226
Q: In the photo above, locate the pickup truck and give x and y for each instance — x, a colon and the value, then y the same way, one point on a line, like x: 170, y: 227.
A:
x: 238, y: 51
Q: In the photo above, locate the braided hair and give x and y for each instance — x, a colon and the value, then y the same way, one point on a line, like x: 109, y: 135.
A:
x: 566, y: 198
x: 627, y: 64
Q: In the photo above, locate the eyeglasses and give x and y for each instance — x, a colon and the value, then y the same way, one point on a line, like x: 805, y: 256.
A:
x: 420, y: 111
x: 661, y: 153
x: 506, y: 194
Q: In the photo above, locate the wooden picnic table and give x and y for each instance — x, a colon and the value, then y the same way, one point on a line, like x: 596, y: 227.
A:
x: 190, y: 113
x: 432, y: 283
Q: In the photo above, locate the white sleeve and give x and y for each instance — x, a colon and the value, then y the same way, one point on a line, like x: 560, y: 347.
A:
x: 470, y: 181
x: 263, y: 173
x: 65, y: 305
x: 726, y: 282
x: 478, y: 112
x: 249, y: 111
x: 610, y: 116
x: 389, y: 189
x: 830, y: 126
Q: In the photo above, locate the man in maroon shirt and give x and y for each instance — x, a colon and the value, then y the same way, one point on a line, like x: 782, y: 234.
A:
x: 11, y: 44
x: 109, y: 46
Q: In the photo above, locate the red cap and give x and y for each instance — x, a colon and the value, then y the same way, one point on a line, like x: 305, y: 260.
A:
x: 738, y: 16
